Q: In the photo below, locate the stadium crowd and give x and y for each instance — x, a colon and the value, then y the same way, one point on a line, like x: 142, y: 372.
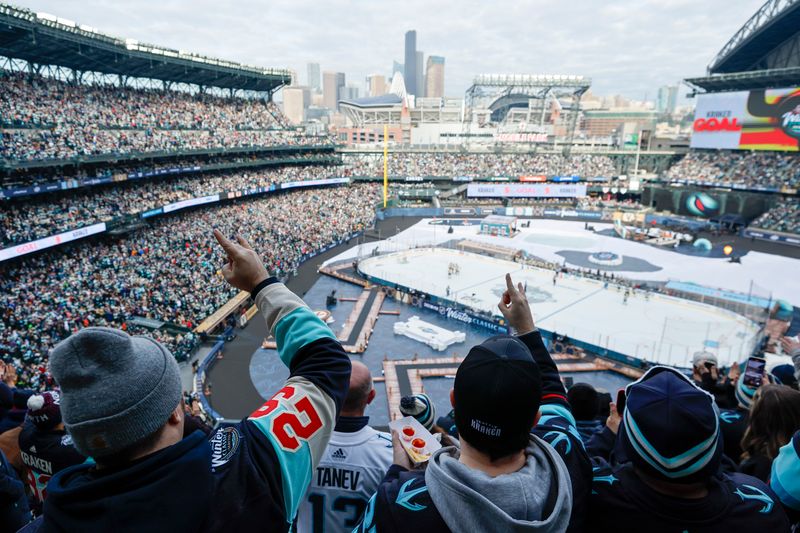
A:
x: 26, y: 219
x: 482, y: 165
x: 44, y: 118
x: 710, y: 452
x: 772, y: 170
x: 784, y: 217
x: 167, y: 271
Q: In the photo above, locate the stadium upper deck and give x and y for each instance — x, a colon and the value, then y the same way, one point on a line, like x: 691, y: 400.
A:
x: 42, y: 39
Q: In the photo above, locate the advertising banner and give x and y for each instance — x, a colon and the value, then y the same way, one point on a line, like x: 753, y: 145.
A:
x: 466, y: 317
x: 748, y: 120
x: 532, y: 179
x: 524, y: 190
x: 573, y: 213
x: 53, y: 240
x: 770, y: 236
x: 314, y: 183
x: 169, y: 208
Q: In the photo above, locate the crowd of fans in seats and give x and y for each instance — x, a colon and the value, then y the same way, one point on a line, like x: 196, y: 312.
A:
x: 784, y: 217
x: 168, y: 271
x: 44, y: 118
x: 29, y: 218
x: 482, y: 165
x: 772, y: 170
x: 44, y: 175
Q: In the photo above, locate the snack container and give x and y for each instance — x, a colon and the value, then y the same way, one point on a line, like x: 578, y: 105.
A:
x: 418, y: 443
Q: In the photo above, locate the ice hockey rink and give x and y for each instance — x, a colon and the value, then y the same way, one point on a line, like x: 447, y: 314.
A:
x: 771, y: 275
x: 655, y: 328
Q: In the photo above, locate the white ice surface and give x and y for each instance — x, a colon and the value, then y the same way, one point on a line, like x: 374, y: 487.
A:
x: 770, y: 274
x: 659, y: 329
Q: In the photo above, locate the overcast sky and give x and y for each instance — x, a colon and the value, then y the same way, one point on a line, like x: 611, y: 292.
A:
x: 628, y: 47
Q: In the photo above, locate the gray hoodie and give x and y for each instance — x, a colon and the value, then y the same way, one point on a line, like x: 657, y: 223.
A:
x: 470, y: 500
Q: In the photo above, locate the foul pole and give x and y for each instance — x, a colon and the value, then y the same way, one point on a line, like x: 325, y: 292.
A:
x: 385, y: 164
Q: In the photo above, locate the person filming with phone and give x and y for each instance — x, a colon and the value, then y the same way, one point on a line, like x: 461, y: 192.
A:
x: 707, y: 376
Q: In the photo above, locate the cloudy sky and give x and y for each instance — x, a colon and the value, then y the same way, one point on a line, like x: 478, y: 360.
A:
x: 628, y: 47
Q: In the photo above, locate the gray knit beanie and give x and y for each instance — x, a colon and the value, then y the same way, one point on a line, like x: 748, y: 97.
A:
x: 115, y: 389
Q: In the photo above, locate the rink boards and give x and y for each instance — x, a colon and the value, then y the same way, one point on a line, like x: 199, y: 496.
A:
x: 656, y: 328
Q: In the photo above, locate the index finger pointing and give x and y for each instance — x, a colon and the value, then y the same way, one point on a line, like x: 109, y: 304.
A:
x: 226, y: 244
x: 510, y: 284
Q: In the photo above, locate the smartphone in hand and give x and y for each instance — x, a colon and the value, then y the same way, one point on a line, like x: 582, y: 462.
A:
x: 754, y: 372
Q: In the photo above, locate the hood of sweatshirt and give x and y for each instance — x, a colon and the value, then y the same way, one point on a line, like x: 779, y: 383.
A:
x: 166, y: 491
x: 537, y: 497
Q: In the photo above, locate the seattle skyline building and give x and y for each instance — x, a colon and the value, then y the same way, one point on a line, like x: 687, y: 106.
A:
x: 313, y: 76
x: 434, y: 77
x: 410, y: 65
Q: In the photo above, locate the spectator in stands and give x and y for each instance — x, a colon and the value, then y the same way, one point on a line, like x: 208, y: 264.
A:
x: 14, y: 511
x: 165, y: 271
x: 52, y: 119
x: 193, y: 420
x: 121, y: 403
x: 585, y: 404
x: 774, y: 418
x: 734, y: 421
x: 785, y: 478
x: 791, y: 347
x: 45, y: 446
x: 503, y: 477
x: 15, y: 416
x: 671, y: 479
x: 705, y: 373
x: 352, y: 466
x: 421, y: 407
x: 771, y: 170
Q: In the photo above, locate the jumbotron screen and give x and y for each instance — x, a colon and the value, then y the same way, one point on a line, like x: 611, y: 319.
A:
x: 748, y: 120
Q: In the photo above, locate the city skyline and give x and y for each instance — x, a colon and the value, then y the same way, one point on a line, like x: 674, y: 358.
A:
x: 629, y: 48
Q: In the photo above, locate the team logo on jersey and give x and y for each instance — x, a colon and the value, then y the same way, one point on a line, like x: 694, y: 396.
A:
x: 339, y: 454
x: 66, y: 440
x: 405, y: 494
x: 32, y: 449
x: 224, y: 444
x: 757, y: 495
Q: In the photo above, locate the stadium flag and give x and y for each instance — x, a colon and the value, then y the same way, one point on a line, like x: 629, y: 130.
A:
x: 385, y: 164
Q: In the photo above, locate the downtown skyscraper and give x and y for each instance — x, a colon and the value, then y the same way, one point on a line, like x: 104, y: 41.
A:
x: 410, y: 68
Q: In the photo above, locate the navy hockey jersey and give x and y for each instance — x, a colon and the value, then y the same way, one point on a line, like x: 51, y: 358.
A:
x: 621, y: 502
x: 248, y: 476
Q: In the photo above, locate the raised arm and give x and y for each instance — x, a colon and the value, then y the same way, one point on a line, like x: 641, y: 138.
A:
x: 297, y: 421
x: 517, y: 311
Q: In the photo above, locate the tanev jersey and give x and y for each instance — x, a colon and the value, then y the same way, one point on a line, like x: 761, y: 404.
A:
x: 349, y: 473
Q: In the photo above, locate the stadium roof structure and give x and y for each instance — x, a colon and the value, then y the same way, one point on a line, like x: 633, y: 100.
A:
x: 761, y: 43
x: 764, y: 53
x: 44, y: 40
x: 506, y: 91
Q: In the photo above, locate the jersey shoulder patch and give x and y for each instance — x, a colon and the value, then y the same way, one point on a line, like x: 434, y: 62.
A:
x: 225, y: 442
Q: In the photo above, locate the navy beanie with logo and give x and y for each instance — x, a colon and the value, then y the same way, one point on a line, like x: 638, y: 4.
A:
x: 497, y: 390
x: 670, y: 428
